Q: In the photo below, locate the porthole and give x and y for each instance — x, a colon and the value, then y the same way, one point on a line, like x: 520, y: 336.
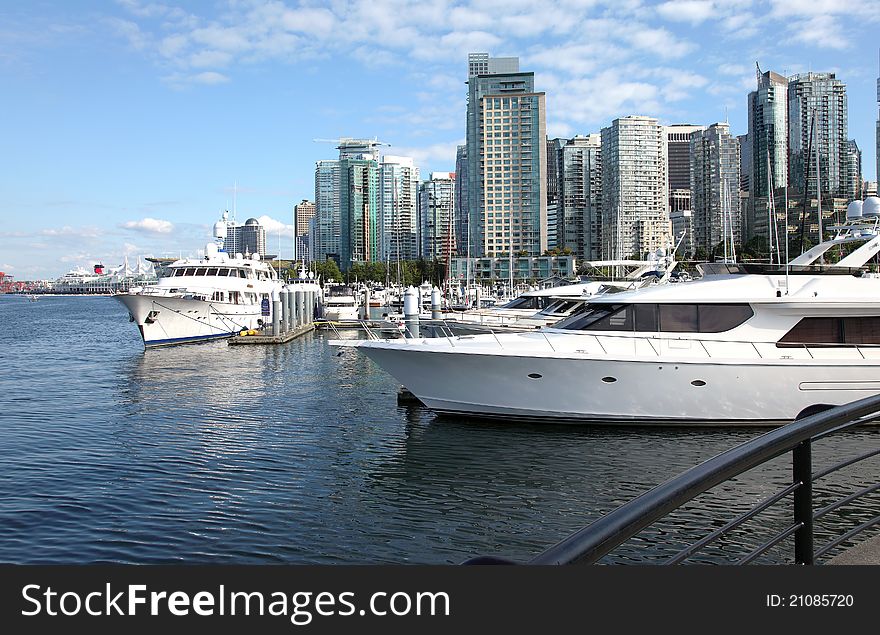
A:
x: 609, y: 380
x: 535, y: 375
x: 698, y: 382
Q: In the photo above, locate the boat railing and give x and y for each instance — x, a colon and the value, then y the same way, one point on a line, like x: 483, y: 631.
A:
x: 680, y: 345
x: 593, y: 543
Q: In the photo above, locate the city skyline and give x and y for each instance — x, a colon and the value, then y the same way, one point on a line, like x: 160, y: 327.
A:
x: 130, y: 126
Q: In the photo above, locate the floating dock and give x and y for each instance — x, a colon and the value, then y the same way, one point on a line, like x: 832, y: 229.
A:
x: 272, y: 339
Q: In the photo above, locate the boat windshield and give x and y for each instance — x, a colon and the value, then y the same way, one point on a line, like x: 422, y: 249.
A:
x: 664, y: 318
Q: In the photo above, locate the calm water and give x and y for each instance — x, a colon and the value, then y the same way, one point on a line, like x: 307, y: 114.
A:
x: 214, y: 453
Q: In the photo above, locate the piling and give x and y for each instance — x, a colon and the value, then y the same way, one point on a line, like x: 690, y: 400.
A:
x: 411, y: 311
x: 285, y: 316
x: 436, y: 313
x: 276, y: 312
x: 291, y: 316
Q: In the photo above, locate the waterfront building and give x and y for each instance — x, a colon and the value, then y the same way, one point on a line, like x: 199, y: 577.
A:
x: 715, y: 183
x: 768, y: 141
x: 818, y: 101
x: 745, y: 162
x: 580, y: 215
x: 303, y: 213
x: 678, y: 157
x: 634, y: 206
x: 853, y: 171
x: 869, y: 188
x: 437, y: 234
x: 249, y: 238
x: 328, y: 222
x: 554, y: 170
x: 398, y: 209
x: 461, y: 201
x: 507, y: 169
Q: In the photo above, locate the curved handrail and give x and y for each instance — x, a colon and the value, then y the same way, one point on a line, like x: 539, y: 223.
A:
x: 591, y: 543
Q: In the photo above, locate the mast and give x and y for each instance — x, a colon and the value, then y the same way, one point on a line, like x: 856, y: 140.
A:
x: 818, y: 183
x: 806, y: 171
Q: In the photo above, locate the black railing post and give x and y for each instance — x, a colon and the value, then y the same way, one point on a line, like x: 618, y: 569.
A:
x: 802, y: 469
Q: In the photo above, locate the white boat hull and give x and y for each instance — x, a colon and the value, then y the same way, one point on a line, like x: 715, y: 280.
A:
x: 163, y: 320
x: 578, y: 388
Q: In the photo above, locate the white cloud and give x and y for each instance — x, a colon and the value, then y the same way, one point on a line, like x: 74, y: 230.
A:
x: 149, y: 226
x: 274, y: 227
x: 819, y: 30
x: 68, y: 231
x: 693, y: 11
x: 437, y: 153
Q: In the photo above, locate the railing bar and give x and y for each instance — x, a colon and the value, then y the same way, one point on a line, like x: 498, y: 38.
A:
x: 845, y: 500
x: 767, y: 545
x: 736, y: 522
x: 852, y: 532
x: 843, y: 464
x: 862, y: 420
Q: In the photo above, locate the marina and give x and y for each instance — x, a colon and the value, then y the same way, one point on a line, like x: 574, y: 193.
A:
x: 210, y: 453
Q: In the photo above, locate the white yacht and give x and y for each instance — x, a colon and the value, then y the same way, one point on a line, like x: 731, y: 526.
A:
x: 745, y: 344
x: 206, y: 298
x: 340, y: 303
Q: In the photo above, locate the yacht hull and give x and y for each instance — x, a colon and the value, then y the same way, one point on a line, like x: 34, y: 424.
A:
x: 624, y: 391
x: 164, y: 321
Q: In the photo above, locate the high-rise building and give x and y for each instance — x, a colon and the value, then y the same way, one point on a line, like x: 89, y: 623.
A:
x: 247, y: 239
x: 580, y: 211
x: 398, y: 209
x: 436, y: 200
x: 328, y: 221
x: 745, y: 162
x: 817, y: 101
x: 635, y: 217
x: 507, y: 169
x: 482, y: 64
x: 359, y: 204
x: 554, y: 171
x: 302, y: 214
x: 715, y: 176
x: 678, y: 157
x: 768, y: 141
x: 853, y: 171
x: 461, y: 201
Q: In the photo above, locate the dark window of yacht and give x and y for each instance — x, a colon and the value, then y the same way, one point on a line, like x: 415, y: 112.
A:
x: 188, y: 271
x: 585, y: 318
x: 645, y: 317
x: 178, y: 272
x: 852, y: 330
x: 716, y: 318
x: 679, y: 318
x: 200, y: 271
x: 212, y: 271
x: 620, y: 319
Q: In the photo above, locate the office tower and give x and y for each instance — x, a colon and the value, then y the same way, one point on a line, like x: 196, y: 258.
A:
x: 436, y: 200
x: 247, y: 239
x: 358, y: 204
x: 398, y: 209
x: 302, y: 214
x: 507, y: 169
x: 818, y: 101
x: 580, y: 196
x: 554, y: 170
x: 328, y: 221
x: 768, y: 140
x: 482, y: 64
x: 745, y: 162
x: 678, y: 159
x: 853, y: 171
x: 635, y: 218
x: 715, y: 176
x: 461, y: 201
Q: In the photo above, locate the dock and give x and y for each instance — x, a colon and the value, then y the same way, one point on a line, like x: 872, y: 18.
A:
x: 283, y: 338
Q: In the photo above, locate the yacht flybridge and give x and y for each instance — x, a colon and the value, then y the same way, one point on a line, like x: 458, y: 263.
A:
x: 744, y: 344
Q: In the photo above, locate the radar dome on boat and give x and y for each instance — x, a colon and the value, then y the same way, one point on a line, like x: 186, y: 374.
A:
x: 871, y: 206
x: 854, y: 210
x: 255, y: 256
x: 210, y: 250
x: 220, y: 229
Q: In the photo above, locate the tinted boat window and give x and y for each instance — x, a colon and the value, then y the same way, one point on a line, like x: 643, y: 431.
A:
x: 619, y: 320
x: 200, y: 271
x: 829, y: 331
x: 583, y: 319
x: 212, y: 271
x: 646, y: 317
x: 715, y: 318
x: 678, y: 318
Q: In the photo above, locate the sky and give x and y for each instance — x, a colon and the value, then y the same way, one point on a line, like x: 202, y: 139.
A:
x: 128, y: 126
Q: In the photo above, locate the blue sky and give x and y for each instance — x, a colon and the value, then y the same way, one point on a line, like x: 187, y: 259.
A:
x: 126, y: 124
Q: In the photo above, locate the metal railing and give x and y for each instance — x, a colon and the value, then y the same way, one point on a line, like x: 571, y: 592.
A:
x: 592, y: 543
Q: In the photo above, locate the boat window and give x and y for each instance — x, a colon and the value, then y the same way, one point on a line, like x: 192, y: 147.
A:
x: 242, y: 273
x: 851, y: 330
x: 646, y: 318
x: 212, y: 271
x: 678, y: 318
x: 664, y: 318
x: 200, y: 271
